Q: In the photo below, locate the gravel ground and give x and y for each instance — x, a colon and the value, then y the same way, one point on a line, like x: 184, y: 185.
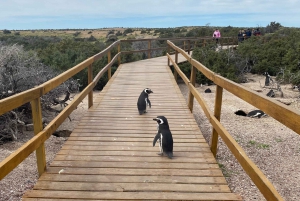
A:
x: 274, y: 148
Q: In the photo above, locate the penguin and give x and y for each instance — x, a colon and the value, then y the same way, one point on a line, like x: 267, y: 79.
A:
x: 256, y: 113
x: 164, y: 137
x: 208, y: 90
x: 271, y: 93
x: 144, y: 101
x: 268, y: 79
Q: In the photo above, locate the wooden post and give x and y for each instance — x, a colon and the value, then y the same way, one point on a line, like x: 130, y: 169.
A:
x: 149, y: 49
x: 168, y: 51
x: 184, y: 45
x: 176, y: 61
x: 109, y: 60
x: 189, y: 46
x: 193, y: 81
x: 119, y: 57
x: 90, y: 79
x: 38, y: 127
x: 203, y: 44
x: 217, y: 114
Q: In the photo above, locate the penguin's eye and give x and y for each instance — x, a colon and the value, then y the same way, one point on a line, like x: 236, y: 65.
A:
x: 160, y: 121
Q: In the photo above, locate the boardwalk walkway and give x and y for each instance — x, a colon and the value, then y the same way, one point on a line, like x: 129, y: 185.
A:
x: 109, y: 155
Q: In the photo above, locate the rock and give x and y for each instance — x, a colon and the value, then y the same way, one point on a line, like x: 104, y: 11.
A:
x: 29, y: 127
x: 207, y: 90
x: 286, y: 101
x: 62, y: 133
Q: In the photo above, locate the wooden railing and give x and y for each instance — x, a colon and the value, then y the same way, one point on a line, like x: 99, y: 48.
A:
x: 278, y: 111
x: 33, y: 96
x: 187, y: 44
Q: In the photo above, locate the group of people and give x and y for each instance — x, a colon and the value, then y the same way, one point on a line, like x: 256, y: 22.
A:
x: 243, y: 34
x: 246, y: 33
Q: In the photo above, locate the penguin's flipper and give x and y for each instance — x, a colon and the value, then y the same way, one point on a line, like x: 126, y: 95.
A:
x: 157, y: 136
x: 149, y: 103
x: 170, y: 155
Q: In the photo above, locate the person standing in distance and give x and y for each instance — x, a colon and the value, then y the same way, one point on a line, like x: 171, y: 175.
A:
x: 217, y: 35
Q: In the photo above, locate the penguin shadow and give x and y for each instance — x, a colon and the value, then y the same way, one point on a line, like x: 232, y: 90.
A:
x: 144, y: 101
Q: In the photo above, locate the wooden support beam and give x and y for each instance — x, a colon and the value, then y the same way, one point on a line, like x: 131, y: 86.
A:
x: 38, y: 127
x: 192, y: 81
x: 217, y: 114
x: 90, y: 80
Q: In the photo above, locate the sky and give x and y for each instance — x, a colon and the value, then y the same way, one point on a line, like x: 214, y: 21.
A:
x: 94, y: 14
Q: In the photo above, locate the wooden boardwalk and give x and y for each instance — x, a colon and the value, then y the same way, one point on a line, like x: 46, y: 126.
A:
x: 109, y: 155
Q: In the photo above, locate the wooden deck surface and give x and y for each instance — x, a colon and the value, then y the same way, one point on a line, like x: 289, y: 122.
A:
x: 109, y: 155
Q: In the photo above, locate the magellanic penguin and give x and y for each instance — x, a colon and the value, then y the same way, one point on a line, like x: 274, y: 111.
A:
x: 144, y: 101
x: 256, y: 113
x: 164, y: 137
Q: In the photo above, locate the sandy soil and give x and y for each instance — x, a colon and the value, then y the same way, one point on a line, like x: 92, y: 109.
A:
x: 274, y: 148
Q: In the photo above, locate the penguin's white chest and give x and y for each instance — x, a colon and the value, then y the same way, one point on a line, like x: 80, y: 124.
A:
x: 160, y: 143
x: 147, y: 104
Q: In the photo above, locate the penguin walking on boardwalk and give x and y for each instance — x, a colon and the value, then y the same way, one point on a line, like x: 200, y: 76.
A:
x: 144, y: 101
x: 164, y: 137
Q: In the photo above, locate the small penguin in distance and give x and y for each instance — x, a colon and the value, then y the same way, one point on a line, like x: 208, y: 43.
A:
x: 253, y: 113
x: 256, y: 113
x: 164, y: 137
x: 143, y: 101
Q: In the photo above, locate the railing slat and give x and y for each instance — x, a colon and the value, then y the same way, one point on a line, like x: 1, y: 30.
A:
x: 38, y: 127
x: 90, y: 80
x: 193, y: 82
x: 217, y: 113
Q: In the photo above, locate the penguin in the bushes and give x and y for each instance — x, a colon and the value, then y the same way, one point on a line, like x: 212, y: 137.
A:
x: 144, y: 101
x: 164, y: 137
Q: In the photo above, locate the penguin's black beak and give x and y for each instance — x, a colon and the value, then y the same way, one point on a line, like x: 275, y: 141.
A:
x: 155, y: 119
x: 150, y: 91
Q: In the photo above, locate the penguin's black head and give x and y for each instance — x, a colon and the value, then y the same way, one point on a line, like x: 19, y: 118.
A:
x: 148, y: 91
x: 161, y: 120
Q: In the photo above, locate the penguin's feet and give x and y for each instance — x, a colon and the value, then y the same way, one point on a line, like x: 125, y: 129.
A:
x: 160, y: 154
x: 145, y: 111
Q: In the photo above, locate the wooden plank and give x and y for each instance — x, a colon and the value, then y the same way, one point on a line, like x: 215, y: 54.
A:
x: 125, y: 148
x: 131, y: 153
x: 154, y: 159
x: 134, y: 187
x: 132, y: 144
x: 128, y: 171
x: 131, y: 195
x: 95, y: 164
x: 133, y: 179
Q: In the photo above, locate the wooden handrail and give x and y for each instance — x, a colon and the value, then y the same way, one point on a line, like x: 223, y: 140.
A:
x: 265, y: 104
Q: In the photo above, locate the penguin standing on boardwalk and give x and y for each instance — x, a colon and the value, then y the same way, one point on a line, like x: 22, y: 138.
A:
x: 164, y: 137
x: 144, y: 101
